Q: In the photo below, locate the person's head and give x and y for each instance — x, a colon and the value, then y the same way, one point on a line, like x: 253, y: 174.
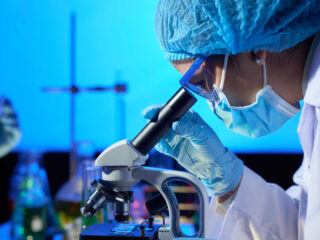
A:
x: 275, y: 34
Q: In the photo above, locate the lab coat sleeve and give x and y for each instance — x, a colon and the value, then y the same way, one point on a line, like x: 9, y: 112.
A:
x: 260, y: 210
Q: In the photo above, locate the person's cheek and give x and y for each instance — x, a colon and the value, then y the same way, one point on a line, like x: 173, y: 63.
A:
x: 209, y: 79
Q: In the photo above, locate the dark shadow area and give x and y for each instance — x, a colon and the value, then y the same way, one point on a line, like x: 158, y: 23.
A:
x: 276, y: 168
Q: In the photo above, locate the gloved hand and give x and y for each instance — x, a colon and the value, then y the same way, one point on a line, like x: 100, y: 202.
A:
x: 9, y: 127
x: 197, y: 148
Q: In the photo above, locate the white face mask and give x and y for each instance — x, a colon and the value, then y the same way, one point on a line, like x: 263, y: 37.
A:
x: 267, y: 114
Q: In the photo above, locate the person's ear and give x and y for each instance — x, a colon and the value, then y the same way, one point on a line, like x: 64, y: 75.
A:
x: 259, y: 56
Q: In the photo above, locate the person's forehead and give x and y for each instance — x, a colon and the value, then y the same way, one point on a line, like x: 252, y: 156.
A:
x: 183, y: 65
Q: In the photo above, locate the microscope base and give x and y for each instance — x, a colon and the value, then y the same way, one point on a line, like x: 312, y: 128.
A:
x: 107, y: 231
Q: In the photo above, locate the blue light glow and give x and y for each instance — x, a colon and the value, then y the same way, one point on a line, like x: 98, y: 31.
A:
x: 115, y: 40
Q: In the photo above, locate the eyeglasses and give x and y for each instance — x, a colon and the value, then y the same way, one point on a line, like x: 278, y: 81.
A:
x: 211, y: 93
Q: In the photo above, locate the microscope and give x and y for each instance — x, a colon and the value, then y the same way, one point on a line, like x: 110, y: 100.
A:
x: 122, y: 168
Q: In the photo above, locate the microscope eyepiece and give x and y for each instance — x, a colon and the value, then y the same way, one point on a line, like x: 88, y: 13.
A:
x: 174, y: 109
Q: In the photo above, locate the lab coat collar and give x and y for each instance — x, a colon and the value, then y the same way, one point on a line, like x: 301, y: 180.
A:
x: 311, y: 73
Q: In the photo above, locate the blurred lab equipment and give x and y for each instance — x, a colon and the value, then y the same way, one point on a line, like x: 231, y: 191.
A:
x: 30, y: 198
x: 10, y: 133
x: 121, y: 170
x: 119, y: 88
x: 70, y: 195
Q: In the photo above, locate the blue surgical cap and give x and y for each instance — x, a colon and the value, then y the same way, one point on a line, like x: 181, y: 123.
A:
x: 188, y: 28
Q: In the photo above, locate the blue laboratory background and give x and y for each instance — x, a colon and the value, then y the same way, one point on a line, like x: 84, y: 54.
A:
x: 115, y: 41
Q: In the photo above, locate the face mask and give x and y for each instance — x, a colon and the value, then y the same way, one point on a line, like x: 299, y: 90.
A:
x: 267, y: 114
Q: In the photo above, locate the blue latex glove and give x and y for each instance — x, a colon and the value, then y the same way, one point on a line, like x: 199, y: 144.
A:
x: 197, y: 148
x: 10, y: 133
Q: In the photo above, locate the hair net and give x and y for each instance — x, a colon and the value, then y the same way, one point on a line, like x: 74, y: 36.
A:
x: 187, y: 28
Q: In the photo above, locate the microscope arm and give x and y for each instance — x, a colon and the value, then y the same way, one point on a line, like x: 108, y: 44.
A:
x: 160, y: 179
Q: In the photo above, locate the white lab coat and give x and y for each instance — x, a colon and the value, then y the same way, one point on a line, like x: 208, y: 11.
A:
x: 261, y: 210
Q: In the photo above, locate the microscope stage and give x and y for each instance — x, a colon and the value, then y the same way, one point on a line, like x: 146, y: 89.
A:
x: 107, y: 231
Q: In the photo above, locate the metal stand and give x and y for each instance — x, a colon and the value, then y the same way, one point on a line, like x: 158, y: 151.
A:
x: 118, y: 88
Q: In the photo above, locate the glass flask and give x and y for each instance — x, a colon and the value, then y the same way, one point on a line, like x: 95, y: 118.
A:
x: 69, y: 197
x: 30, y: 208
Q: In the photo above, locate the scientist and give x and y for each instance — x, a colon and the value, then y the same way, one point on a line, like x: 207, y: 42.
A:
x: 10, y: 133
x: 262, y: 57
